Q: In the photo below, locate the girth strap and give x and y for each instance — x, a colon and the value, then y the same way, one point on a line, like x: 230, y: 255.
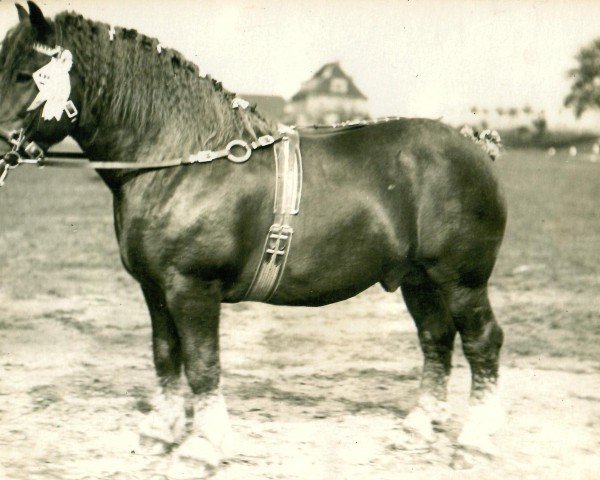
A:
x: 288, y: 190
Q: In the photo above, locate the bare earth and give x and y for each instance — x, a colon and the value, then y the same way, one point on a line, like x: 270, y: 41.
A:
x: 313, y: 394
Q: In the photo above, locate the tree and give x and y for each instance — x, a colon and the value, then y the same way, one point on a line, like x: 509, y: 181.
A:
x: 585, y: 89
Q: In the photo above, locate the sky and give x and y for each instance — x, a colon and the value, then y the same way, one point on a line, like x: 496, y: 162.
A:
x: 410, y: 58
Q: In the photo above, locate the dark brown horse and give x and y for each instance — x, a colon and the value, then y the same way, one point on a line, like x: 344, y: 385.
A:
x: 408, y: 203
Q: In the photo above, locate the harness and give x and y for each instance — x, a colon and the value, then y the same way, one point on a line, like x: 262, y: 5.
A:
x: 288, y: 190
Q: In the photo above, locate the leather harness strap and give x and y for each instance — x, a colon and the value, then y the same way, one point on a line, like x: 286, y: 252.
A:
x: 288, y: 190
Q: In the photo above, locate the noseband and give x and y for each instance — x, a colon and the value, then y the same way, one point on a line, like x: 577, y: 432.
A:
x: 23, y: 151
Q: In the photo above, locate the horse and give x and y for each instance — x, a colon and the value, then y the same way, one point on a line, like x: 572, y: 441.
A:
x: 409, y: 204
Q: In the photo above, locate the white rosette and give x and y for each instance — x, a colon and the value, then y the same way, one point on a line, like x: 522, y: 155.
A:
x: 54, y: 85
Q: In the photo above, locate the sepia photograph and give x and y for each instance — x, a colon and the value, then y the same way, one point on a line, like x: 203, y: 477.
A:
x: 299, y: 240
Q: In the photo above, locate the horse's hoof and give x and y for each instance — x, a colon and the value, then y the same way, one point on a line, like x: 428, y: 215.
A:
x: 159, y: 431
x: 411, y: 443
x: 465, y: 458
x: 474, y: 439
x: 152, y: 446
x: 196, y: 458
x: 188, y: 470
x: 418, y: 425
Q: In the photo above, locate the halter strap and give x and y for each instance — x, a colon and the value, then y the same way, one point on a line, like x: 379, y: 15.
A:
x: 25, y: 152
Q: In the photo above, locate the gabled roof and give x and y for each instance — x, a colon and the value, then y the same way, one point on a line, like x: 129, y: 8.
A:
x: 321, y: 84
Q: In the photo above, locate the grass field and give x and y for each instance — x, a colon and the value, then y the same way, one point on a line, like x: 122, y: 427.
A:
x: 76, y: 357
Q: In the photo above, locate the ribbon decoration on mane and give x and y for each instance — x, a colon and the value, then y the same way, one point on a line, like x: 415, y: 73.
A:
x: 54, y: 84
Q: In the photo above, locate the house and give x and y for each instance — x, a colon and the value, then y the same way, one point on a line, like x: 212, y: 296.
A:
x: 330, y: 96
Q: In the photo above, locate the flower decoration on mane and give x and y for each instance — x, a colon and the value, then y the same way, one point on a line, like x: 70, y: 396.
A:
x: 488, y: 139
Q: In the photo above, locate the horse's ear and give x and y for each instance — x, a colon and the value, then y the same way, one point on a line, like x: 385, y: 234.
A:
x: 40, y: 25
x: 23, y: 15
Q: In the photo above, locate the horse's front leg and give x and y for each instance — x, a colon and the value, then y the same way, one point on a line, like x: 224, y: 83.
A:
x: 195, y: 306
x: 165, y: 424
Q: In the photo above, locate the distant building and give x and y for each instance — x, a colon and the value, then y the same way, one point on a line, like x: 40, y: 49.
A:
x: 330, y: 96
x: 270, y: 106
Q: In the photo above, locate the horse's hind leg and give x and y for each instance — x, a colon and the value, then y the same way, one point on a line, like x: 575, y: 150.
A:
x: 165, y: 424
x: 195, y: 306
x: 426, y: 303
x: 481, y: 340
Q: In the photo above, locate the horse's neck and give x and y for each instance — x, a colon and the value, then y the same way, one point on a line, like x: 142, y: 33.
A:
x: 204, y: 121
x: 121, y: 121
x: 179, y: 133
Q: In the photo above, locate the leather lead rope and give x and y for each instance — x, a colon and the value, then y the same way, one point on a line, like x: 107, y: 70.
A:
x: 27, y: 152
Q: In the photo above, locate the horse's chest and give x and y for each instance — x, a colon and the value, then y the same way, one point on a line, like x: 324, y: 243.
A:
x: 184, y: 235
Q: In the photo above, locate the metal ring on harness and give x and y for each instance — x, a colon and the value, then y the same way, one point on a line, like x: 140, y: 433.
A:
x: 238, y: 159
x: 12, y: 159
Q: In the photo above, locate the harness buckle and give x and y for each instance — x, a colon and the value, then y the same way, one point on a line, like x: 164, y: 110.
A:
x: 71, y: 110
x: 202, y: 156
x: 263, y: 141
x: 34, y: 151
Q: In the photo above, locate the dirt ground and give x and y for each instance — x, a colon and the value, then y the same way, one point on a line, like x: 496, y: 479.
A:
x: 315, y: 394
x: 324, y: 402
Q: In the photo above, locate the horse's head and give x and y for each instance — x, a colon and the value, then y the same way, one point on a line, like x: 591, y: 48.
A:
x: 35, y: 87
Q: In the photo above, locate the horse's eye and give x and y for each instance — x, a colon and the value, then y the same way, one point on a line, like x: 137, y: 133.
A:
x: 23, y: 77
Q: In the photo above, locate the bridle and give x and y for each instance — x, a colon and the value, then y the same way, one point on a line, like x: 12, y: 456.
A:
x: 25, y: 151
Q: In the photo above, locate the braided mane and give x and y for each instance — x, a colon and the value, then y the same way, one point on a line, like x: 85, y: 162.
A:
x: 128, y: 80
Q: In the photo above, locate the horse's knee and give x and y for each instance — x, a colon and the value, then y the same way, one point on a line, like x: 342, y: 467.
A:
x: 437, y: 344
x: 167, y: 357
x: 473, y: 316
x: 438, y: 335
x: 486, y: 340
x: 202, y: 378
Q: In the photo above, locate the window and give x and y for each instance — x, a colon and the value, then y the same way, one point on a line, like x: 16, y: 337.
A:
x: 338, y: 85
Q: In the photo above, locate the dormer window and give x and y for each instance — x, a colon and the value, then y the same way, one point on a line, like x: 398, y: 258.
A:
x: 338, y: 85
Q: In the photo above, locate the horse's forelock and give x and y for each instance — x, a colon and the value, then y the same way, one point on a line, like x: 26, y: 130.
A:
x: 16, y: 45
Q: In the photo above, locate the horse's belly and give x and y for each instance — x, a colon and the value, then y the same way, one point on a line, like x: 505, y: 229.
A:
x: 339, y: 253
